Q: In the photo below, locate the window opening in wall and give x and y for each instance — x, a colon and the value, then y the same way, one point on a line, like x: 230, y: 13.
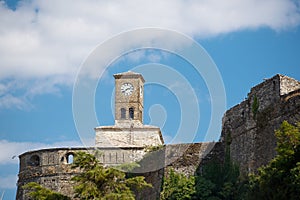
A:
x: 34, y: 160
x: 70, y: 158
x: 131, y: 113
x: 123, y: 113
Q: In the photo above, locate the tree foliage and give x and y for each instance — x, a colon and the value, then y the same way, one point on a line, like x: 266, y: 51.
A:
x: 216, y: 180
x: 98, y: 182
x: 219, y: 180
x: 280, y: 179
x: 178, y: 186
x: 37, y: 192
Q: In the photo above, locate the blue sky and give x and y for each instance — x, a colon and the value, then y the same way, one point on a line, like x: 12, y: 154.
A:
x: 43, y: 44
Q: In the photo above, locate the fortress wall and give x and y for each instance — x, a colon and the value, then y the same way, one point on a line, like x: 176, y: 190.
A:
x: 252, y: 144
x: 268, y: 92
x: 52, y: 167
x: 49, y: 167
x: 252, y: 136
x: 54, y: 170
x: 186, y: 158
x: 288, y: 85
x: 270, y: 120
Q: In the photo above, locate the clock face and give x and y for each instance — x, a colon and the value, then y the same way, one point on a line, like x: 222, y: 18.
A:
x: 127, y: 88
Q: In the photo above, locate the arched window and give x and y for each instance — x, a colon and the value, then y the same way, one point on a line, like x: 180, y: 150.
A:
x: 123, y: 113
x: 34, y: 160
x: 131, y: 113
x: 70, y: 158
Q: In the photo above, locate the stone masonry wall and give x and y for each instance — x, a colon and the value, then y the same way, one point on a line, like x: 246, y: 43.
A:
x: 186, y: 158
x: 136, y: 136
x: 288, y: 85
x: 52, y: 167
x: 253, y: 141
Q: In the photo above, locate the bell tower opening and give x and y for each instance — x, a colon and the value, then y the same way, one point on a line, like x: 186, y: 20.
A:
x: 131, y: 113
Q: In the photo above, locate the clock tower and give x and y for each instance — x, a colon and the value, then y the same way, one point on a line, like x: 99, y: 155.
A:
x: 128, y: 130
x: 129, y: 97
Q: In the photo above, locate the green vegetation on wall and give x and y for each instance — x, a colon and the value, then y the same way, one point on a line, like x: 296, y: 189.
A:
x: 255, y: 106
x: 280, y: 179
x: 219, y: 180
x: 177, y: 186
x: 37, y: 192
x: 215, y: 180
x: 99, y: 182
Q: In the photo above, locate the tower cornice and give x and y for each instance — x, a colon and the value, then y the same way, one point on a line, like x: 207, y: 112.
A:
x: 129, y: 74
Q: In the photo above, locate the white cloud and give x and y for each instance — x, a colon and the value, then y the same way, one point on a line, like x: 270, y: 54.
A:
x: 8, y: 101
x: 9, y: 151
x: 48, y: 40
x: 8, y: 98
x: 18, y: 93
x: 145, y: 55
